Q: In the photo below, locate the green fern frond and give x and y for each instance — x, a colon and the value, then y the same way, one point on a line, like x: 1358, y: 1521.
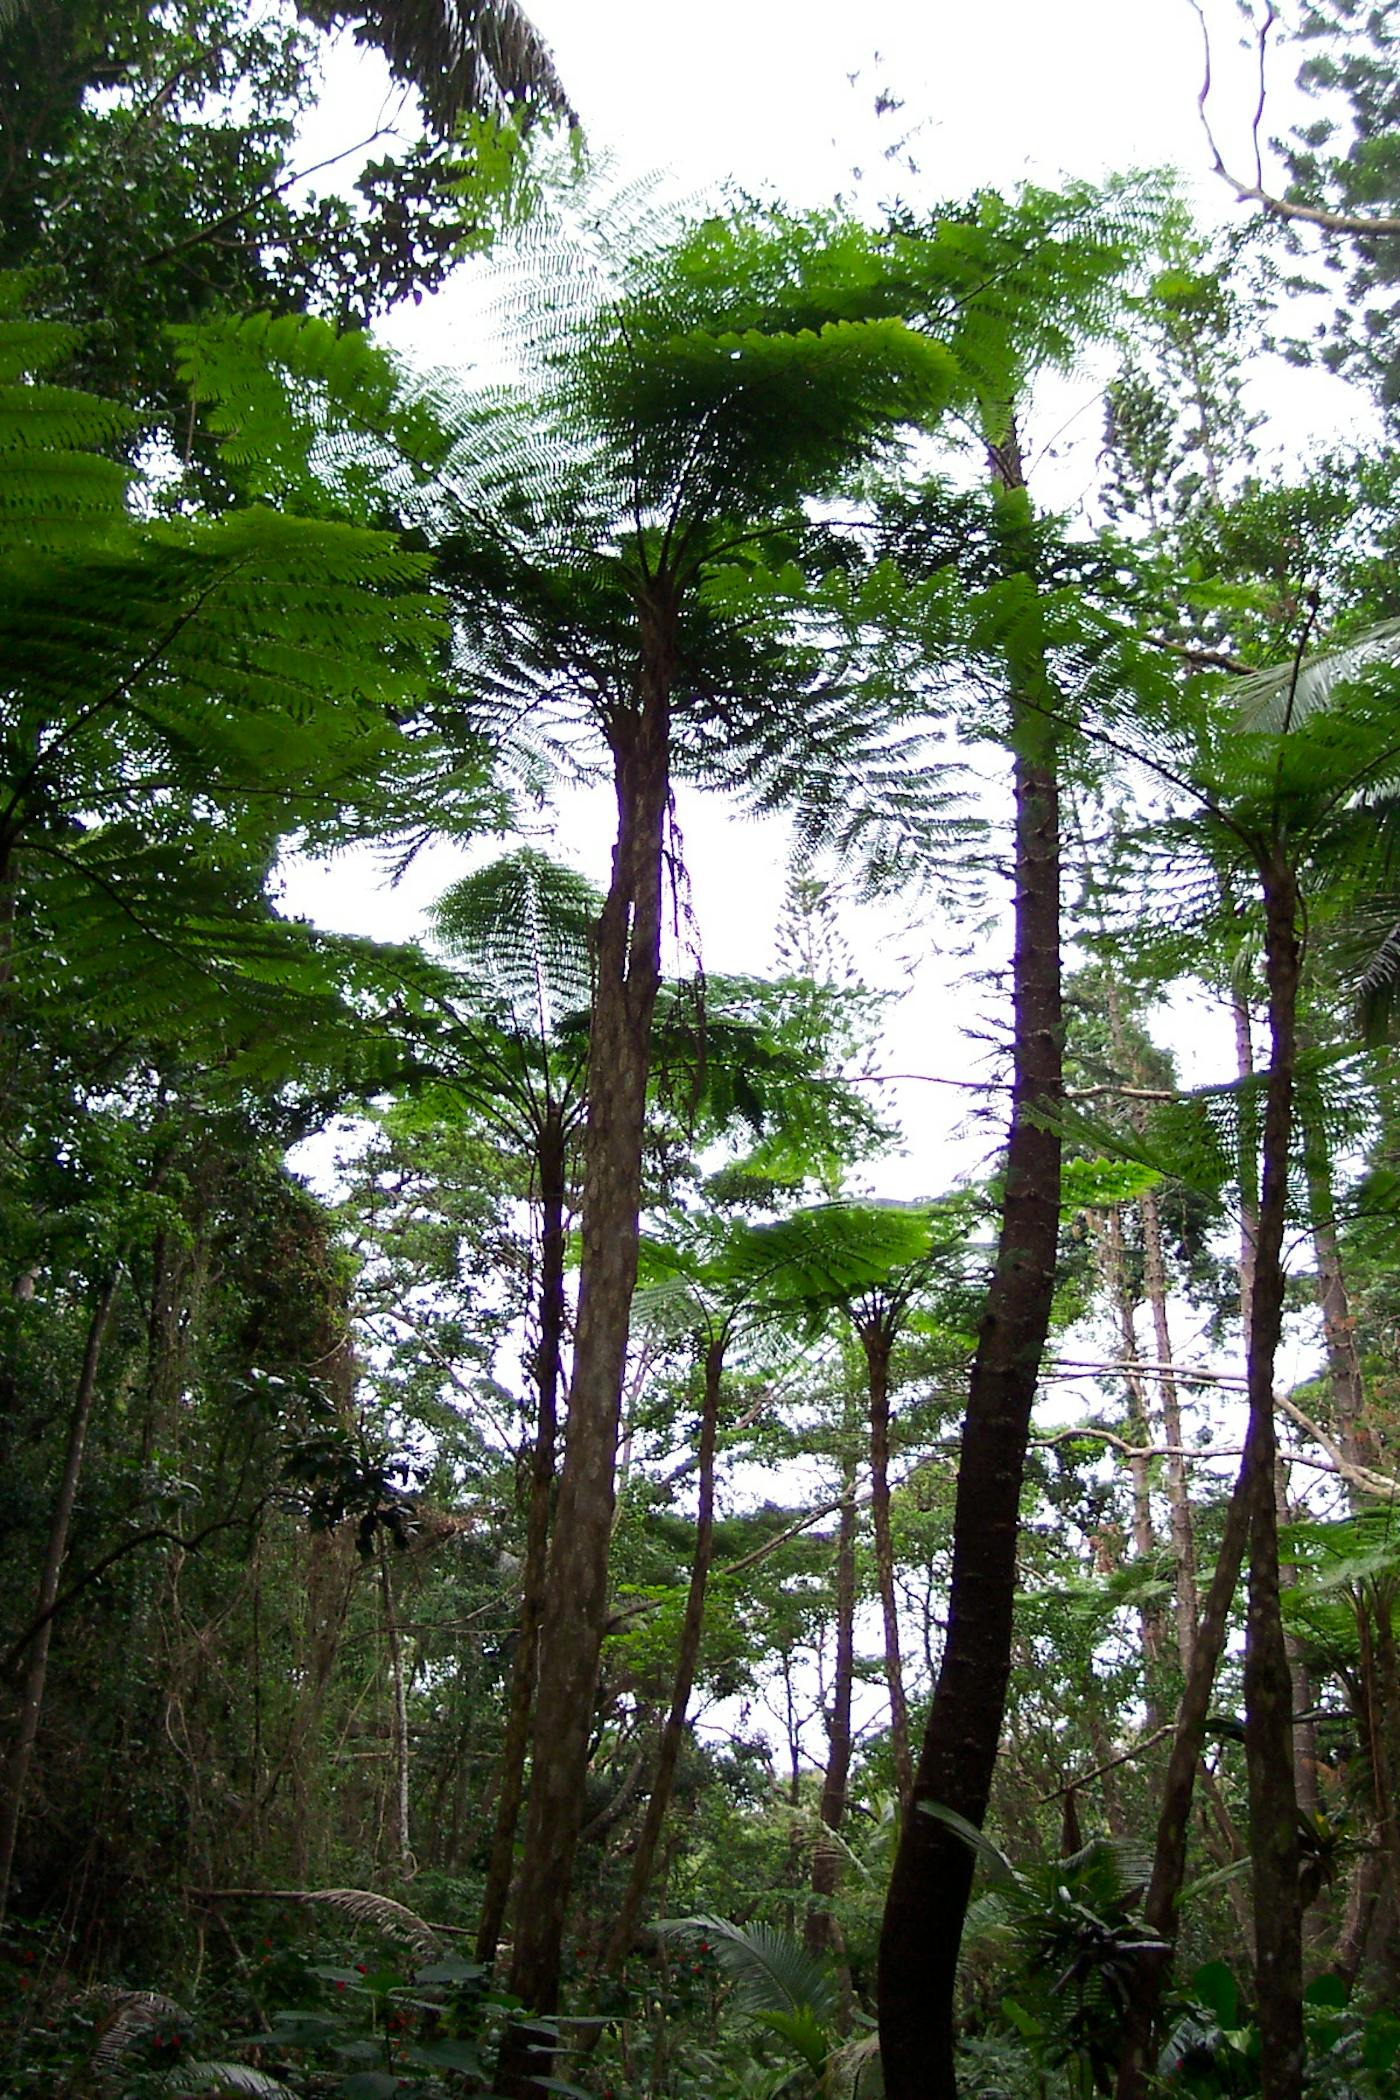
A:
x: 524, y: 927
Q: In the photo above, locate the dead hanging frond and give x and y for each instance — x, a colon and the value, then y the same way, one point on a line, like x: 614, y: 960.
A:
x: 362, y: 1906
x: 465, y: 57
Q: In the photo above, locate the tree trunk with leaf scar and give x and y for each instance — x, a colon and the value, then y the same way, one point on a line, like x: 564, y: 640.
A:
x: 932, y: 1877
x: 692, y: 1624
x: 551, y: 1165
x: 571, y: 1631
x: 876, y: 1339
x: 32, y: 1698
x: 826, y: 1859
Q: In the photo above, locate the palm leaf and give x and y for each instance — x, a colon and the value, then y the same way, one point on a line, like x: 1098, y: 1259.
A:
x: 772, y: 1972
x: 202, y: 2079
x: 365, y: 1908
x: 462, y: 55
x: 1286, y: 695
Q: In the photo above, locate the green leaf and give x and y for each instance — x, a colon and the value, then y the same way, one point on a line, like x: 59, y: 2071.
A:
x: 995, y: 1862
x: 1213, y: 1985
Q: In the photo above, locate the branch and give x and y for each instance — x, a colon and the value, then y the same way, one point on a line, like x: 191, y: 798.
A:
x: 1201, y: 659
x: 1125, y: 1757
x: 141, y: 1538
x: 1363, y: 225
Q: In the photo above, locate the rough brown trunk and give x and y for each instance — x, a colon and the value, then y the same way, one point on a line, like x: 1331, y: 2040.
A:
x: 551, y: 1166
x: 932, y: 1878
x: 32, y: 1699
x: 571, y: 1631
x: 692, y: 1624
x: 877, y: 1341
x: 826, y: 1858
x: 1178, y: 1786
x: 1268, y: 1687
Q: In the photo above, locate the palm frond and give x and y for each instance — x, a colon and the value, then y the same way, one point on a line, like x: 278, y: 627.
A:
x: 1286, y: 695
x: 238, y: 2080
x: 461, y: 55
x: 371, y: 1911
x: 772, y: 1972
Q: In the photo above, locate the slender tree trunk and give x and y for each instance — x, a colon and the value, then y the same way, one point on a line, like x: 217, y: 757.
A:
x: 1140, y: 1469
x: 398, y: 1714
x: 551, y: 1164
x: 571, y: 1631
x: 692, y: 1625
x: 1174, y: 1818
x: 932, y: 1877
x: 1178, y: 1489
x: 877, y: 1341
x: 1357, y: 1918
x: 32, y: 1701
x: 1268, y: 1687
x: 826, y: 1859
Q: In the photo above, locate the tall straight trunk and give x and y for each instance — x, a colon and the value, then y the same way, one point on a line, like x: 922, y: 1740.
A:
x: 1248, y: 1161
x: 1178, y: 1787
x: 1178, y: 1489
x: 692, y: 1624
x: 826, y: 1859
x: 932, y: 1878
x: 571, y: 1630
x: 551, y: 1166
x: 1268, y: 1687
x: 877, y: 1340
x: 32, y: 1699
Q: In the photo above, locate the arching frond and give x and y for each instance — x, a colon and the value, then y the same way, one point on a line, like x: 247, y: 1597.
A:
x: 524, y: 927
x: 772, y: 1972
x: 1287, y: 694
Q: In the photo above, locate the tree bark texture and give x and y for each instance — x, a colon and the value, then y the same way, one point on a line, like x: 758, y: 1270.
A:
x: 875, y: 1336
x: 571, y: 1631
x: 32, y: 1700
x: 932, y: 1877
x: 826, y: 1859
x: 551, y: 1168
x: 688, y: 1656
x: 1173, y: 1821
x: 1268, y: 1685
x: 1178, y: 1489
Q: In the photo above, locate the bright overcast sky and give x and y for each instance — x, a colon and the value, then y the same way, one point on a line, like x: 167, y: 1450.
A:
x: 779, y: 96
